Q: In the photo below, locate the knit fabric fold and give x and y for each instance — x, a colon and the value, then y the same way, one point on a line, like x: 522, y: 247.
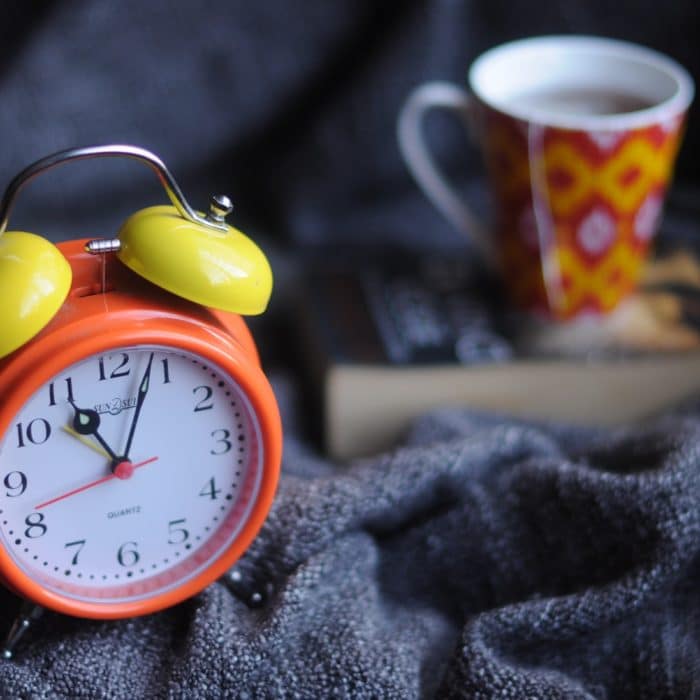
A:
x: 484, y: 558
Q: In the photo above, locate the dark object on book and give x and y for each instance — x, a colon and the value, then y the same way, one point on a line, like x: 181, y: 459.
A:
x: 385, y: 343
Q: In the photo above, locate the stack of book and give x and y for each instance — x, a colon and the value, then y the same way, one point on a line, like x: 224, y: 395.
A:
x: 385, y: 342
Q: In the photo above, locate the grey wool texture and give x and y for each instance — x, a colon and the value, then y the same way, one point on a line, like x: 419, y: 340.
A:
x: 485, y: 558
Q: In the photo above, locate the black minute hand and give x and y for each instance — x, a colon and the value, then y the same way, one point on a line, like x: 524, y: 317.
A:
x: 87, y: 422
x: 143, y: 390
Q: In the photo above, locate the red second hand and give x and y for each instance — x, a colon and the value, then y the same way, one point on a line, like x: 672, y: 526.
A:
x: 80, y: 489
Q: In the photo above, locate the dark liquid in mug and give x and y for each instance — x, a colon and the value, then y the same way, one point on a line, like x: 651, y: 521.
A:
x: 572, y: 100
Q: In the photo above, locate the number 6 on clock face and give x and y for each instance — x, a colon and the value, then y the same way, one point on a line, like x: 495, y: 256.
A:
x: 128, y: 474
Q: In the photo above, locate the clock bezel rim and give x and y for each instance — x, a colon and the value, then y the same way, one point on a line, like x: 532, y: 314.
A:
x: 56, y: 355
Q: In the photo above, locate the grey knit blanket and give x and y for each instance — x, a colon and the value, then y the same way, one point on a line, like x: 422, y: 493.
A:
x: 484, y: 558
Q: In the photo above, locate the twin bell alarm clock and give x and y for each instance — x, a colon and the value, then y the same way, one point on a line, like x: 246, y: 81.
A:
x: 140, y: 441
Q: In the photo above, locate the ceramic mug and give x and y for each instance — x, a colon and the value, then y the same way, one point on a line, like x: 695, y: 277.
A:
x: 579, y: 137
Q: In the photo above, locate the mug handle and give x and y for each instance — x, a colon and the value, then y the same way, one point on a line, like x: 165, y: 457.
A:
x: 422, y: 165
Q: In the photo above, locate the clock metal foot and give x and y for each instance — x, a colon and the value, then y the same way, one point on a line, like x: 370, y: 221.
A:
x: 254, y: 596
x: 29, y: 612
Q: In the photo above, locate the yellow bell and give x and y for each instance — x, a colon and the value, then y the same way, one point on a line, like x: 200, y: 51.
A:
x: 34, y: 282
x: 220, y: 268
x: 197, y: 257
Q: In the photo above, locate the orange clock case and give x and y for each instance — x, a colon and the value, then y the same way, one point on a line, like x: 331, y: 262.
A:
x: 131, y: 311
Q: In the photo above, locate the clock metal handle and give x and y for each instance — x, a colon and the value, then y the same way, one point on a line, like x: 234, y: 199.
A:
x: 113, y: 150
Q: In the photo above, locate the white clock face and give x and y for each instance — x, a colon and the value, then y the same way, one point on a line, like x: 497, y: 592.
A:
x: 128, y: 474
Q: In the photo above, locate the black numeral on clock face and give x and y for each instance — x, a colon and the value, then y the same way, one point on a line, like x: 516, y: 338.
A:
x: 35, y: 525
x: 68, y: 394
x: 127, y: 554
x: 16, y: 484
x: 205, y: 403
x: 223, y: 442
x: 166, y: 371
x: 121, y: 370
x: 36, y: 432
x: 209, y: 489
x: 177, y: 535
x: 79, y: 544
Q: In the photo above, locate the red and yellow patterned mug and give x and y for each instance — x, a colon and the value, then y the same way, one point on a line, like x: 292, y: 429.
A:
x: 579, y: 136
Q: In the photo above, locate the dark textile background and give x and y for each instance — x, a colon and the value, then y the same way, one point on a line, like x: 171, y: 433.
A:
x: 290, y: 107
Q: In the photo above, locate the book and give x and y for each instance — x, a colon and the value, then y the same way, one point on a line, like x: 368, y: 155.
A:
x: 386, y: 342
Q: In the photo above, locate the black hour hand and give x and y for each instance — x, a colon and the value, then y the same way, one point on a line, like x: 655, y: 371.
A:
x: 86, y: 421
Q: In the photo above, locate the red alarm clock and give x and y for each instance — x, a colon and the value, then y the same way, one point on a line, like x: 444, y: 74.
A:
x: 140, y: 441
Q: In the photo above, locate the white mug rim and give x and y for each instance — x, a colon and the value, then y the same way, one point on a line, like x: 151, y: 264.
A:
x: 664, y: 110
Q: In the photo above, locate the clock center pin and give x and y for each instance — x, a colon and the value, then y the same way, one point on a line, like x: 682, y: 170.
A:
x: 123, y: 469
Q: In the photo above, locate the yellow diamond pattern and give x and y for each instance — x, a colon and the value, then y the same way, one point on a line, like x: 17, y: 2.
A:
x: 608, y: 282
x: 621, y: 178
x: 606, y: 181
